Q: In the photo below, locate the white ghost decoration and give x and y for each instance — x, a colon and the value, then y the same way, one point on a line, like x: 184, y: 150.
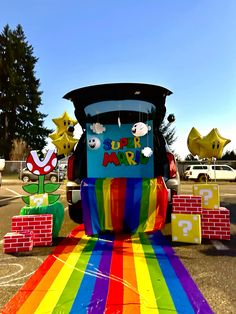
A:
x: 140, y: 129
x: 94, y: 143
x: 147, y: 151
x: 97, y: 128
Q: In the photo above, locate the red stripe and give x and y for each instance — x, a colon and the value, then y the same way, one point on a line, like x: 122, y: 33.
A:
x: 131, y: 294
x: 66, y: 246
x: 114, y: 302
x: 118, y: 195
x: 162, y: 202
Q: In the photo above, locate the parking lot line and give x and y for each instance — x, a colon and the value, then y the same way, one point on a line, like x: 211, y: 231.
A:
x: 219, y: 245
x: 14, y: 192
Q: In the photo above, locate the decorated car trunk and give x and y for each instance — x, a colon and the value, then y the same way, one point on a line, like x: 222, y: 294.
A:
x: 121, y: 162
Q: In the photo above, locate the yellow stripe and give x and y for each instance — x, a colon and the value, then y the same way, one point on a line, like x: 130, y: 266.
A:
x: 152, y: 205
x: 148, y: 302
x: 52, y: 296
x: 107, y: 203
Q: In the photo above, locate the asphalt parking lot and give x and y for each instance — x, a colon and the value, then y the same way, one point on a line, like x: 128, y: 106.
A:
x: 211, y: 264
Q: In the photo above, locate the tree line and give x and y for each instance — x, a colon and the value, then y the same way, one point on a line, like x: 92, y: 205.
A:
x: 21, y: 122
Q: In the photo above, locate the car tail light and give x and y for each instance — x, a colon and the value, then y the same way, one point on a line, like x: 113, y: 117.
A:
x: 172, y: 165
x: 70, y: 168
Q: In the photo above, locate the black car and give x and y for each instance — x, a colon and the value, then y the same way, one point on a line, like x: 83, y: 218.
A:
x: 120, y: 105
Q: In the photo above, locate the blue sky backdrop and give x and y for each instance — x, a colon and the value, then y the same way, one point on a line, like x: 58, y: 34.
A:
x: 187, y: 46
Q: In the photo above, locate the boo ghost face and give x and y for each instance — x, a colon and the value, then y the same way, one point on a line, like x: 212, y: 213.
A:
x: 94, y: 143
x: 140, y: 129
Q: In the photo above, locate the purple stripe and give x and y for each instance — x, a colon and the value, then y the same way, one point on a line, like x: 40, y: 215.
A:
x: 99, y: 297
x: 85, y: 207
x: 196, y: 298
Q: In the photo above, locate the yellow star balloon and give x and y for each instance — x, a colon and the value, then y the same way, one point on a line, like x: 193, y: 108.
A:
x: 212, y: 144
x: 62, y: 123
x: 208, y: 146
x: 64, y: 144
x: 192, y: 141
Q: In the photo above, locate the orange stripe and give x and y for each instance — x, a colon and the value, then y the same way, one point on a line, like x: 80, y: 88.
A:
x: 39, y: 291
x: 25, y: 291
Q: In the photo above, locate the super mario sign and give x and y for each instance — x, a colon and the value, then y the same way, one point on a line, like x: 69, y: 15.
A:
x: 120, y: 150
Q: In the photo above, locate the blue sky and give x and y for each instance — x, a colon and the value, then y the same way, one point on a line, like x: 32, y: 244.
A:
x: 187, y: 46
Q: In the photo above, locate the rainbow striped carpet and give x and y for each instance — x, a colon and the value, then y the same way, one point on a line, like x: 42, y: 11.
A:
x: 110, y: 274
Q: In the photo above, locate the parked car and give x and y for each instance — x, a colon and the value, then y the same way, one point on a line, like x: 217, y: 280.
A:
x: 202, y: 173
x: 57, y: 175
x: 118, y: 106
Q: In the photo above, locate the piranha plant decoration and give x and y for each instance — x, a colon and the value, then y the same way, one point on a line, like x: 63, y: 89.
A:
x: 41, y: 168
x: 41, y: 201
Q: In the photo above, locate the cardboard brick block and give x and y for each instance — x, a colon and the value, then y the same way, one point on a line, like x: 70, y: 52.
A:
x: 41, y: 225
x: 14, y: 242
x: 187, y: 204
x: 216, y: 223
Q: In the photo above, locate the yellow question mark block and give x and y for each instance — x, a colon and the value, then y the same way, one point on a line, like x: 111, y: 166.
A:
x: 186, y: 228
x: 39, y: 200
x: 210, y: 195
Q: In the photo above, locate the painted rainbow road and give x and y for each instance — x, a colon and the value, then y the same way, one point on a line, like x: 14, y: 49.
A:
x: 110, y: 274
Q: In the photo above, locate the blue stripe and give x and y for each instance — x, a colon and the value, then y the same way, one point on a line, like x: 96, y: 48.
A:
x: 132, y: 204
x: 86, y: 289
x: 178, y: 294
x: 91, y: 200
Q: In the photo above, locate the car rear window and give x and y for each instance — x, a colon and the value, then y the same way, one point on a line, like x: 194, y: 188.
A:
x: 128, y: 110
x: 199, y: 167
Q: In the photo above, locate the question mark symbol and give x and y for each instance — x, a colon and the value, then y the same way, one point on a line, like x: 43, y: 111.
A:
x: 207, y: 194
x: 187, y: 226
x: 38, y: 201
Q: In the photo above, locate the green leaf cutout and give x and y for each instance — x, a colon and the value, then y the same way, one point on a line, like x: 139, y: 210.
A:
x: 26, y: 199
x: 52, y: 198
x: 30, y: 188
x: 51, y: 187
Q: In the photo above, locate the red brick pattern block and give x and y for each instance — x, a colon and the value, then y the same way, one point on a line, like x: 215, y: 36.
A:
x: 14, y: 242
x: 216, y: 223
x: 187, y: 204
x: 41, y: 225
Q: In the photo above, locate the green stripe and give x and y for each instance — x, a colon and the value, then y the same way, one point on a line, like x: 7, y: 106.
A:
x: 144, y: 205
x: 100, y: 204
x: 164, y: 300
x: 68, y: 295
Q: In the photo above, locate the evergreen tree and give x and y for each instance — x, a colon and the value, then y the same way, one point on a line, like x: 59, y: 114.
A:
x: 229, y: 155
x: 20, y: 97
x: 169, y: 132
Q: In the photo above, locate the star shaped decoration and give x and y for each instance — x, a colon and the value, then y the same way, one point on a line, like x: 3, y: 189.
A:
x: 212, y: 144
x: 62, y: 123
x: 208, y: 146
x: 193, y: 142
x: 64, y: 144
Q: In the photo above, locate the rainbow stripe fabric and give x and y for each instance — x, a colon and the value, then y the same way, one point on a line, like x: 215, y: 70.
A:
x: 123, y: 204
x: 110, y: 274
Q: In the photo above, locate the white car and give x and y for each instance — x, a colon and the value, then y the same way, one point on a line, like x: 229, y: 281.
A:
x: 202, y: 173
